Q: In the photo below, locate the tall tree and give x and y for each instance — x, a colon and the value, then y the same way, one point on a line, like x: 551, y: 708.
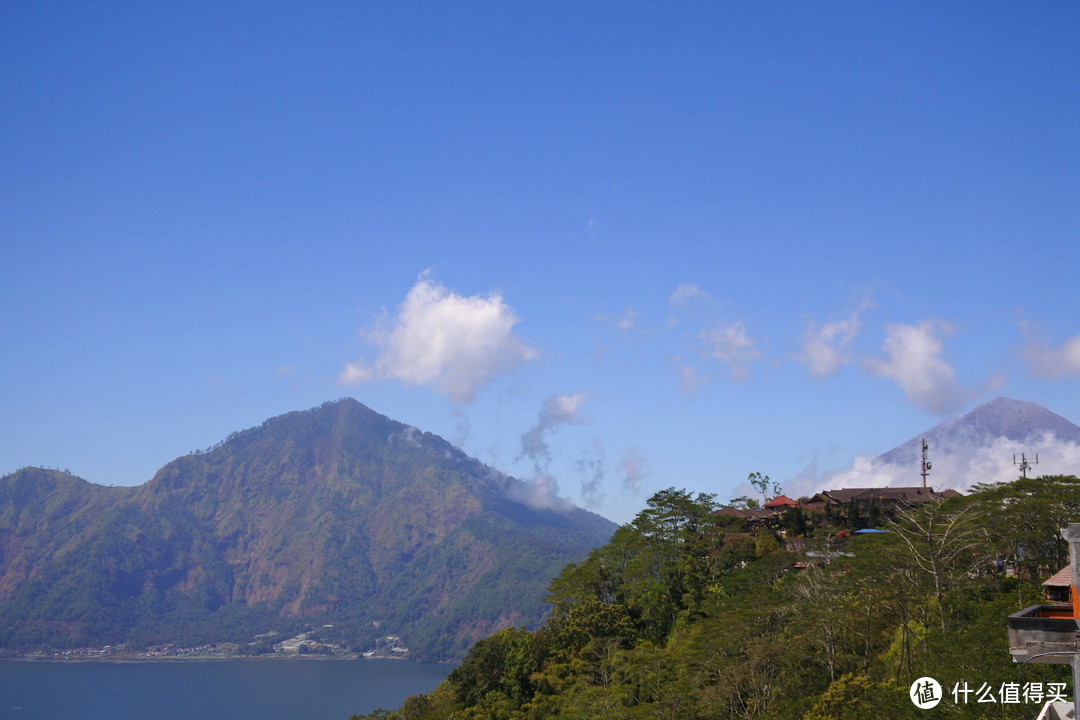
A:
x: 1025, y: 518
x: 942, y: 545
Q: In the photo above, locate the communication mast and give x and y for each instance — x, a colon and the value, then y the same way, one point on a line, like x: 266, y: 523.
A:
x: 925, y: 462
x: 1024, y: 464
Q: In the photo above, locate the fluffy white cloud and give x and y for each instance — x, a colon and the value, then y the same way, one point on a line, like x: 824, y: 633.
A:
x: 731, y: 345
x: 1053, y: 362
x: 913, y: 361
x: 453, y: 343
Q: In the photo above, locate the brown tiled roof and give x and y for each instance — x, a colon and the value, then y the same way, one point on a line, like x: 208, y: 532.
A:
x: 909, y: 495
x: 903, y: 494
x: 746, y: 513
x: 1062, y: 578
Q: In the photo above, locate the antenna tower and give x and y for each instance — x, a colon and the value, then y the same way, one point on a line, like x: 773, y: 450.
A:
x: 1024, y: 463
x: 925, y: 462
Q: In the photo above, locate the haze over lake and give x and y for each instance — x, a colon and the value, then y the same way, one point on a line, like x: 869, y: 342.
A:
x: 232, y: 689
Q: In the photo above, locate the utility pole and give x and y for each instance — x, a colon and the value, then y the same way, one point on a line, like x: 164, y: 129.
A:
x: 925, y: 462
x: 1024, y: 464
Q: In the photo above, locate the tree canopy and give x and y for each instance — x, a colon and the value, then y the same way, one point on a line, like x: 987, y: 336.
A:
x: 683, y: 616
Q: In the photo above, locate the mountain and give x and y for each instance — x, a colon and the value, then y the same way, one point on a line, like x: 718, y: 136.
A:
x: 1014, y: 420
x: 336, y: 516
x: 979, y: 446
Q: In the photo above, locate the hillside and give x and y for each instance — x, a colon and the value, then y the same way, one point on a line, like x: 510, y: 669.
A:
x: 335, y: 516
x: 686, y: 616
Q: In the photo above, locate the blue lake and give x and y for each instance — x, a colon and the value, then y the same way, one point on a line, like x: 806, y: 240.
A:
x: 210, y: 690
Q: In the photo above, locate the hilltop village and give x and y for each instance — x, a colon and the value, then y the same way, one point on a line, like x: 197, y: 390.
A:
x: 854, y: 508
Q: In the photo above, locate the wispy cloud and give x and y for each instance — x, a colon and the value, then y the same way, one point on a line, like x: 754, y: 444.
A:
x: 913, y: 360
x: 590, y: 467
x: 691, y: 379
x: 685, y: 294
x: 1048, y: 362
x: 685, y: 297
x: 634, y: 470
x: 455, y: 344
x: 826, y: 346
x: 730, y: 344
x: 556, y: 411
x: 720, y: 339
x: 542, y: 491
x: 624, y: 323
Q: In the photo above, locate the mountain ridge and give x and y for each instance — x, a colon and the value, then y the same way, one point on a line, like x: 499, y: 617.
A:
x: 335, y: 514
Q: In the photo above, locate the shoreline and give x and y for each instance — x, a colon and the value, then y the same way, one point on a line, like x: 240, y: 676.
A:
x: 124, y: 659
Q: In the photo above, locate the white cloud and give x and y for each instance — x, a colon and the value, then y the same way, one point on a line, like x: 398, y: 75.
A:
x: 540, y: 493
x: 685, y: 294
x: 961, y: 468
x: 453, y: 343
x: 825, y: 346
x: 913, y: 361
x: 1052, y: 362
x: 730, y: 345
x: 864, y: 472
x: 356, y: 374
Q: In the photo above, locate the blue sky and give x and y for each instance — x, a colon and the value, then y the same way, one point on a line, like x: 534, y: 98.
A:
x: 604, y: 247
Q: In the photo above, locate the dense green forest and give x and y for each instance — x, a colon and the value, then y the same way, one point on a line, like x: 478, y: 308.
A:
x: 686, y: 615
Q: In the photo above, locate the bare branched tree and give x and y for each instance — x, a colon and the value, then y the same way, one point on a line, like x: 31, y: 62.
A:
x: 943, y: 547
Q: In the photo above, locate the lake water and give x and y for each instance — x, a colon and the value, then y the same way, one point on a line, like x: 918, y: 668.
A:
x: 212, y: 690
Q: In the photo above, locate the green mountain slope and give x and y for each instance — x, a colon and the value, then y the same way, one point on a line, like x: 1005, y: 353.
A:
x: 335, y: 516
x: 684, y: 616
